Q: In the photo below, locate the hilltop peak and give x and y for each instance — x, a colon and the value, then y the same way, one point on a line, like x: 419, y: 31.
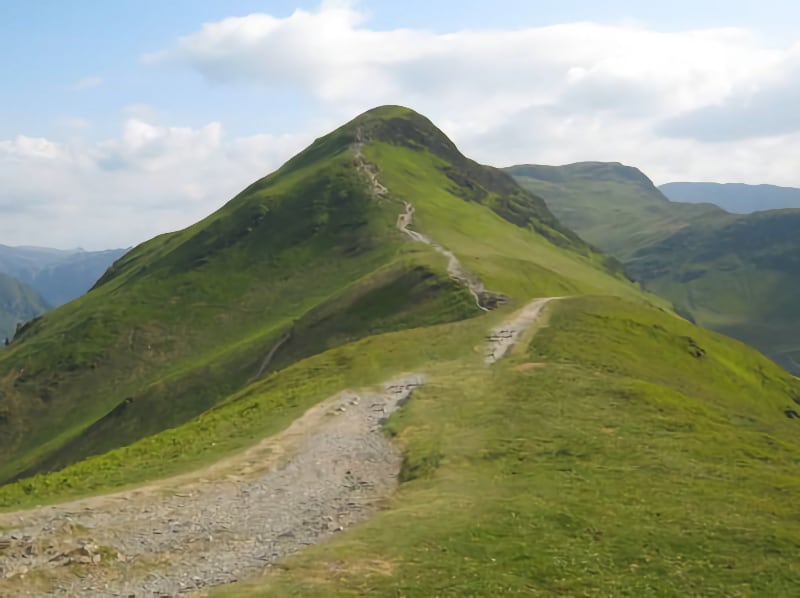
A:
x: 399, y: 125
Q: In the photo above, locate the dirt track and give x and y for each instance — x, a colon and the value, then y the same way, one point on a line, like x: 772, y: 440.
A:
x: 504, y: 337
x: 331, y: 468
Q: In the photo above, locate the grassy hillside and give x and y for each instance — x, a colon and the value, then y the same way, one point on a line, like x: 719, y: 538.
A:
x: 742, y: 278
x: 735, y: 274
x: 622, y: 452
x: 614, y: 207
x: 307, y: 258
x: 18, y: 304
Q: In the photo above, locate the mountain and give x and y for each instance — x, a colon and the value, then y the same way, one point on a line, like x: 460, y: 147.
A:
x: 615, y: 207
x: 734, y: 197
x: 18, y: 304
x: 558, y: 430
x: 57, y: 275
x: 303, y: 260
x: 737, y: 274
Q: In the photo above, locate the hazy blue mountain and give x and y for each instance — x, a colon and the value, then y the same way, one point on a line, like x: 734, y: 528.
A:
x: 18, y: 304
x: 57, y: 275
x: 734, y: 197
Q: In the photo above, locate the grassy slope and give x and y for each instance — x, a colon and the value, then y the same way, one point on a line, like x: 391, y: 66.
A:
x: 625, y: 465
x: 735, y: 274
x: 18, y: 304
x: 741, y: 279
x: 185, y: 320
x: 615, y: 207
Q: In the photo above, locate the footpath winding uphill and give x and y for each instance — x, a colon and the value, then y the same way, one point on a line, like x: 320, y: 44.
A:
x: 330, y: 469
x: 484, y: 298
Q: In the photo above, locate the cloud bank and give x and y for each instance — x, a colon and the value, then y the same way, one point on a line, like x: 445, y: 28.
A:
x: 715, y: 104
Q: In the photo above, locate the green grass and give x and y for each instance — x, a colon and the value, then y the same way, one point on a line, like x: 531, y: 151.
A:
x: 597, y: 474
x: 483, y: 240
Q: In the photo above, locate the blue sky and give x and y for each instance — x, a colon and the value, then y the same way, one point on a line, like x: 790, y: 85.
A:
x: 107, y: 104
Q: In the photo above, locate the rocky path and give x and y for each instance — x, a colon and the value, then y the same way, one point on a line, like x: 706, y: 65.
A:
x: 368, y: 169
x: 484, y: 298
x: 503, y: 337
x: 328, y: 470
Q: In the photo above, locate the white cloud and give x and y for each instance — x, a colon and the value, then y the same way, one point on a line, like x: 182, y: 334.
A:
x: 579, y: 91
x: 569, y: 92
x: 149, y: 180
x: 88, y: 82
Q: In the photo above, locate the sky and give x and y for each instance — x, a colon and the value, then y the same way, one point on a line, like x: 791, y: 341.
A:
x: 122, y: 120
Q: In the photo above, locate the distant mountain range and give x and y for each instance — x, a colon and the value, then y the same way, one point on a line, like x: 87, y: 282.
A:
x: 35, y: 279
x: 738, y: 274
x: 57, y: 275
x: 18, y: 303
x: 734, y: 197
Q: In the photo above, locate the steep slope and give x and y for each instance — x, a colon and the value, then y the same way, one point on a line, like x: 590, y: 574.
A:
x: 18, y: 304
x: 734, y: 197
x: 303, y: 260
x: 57, y: 275
x: 733, y: 273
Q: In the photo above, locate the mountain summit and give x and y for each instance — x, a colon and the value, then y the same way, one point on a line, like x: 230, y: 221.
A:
x: 380, y: 225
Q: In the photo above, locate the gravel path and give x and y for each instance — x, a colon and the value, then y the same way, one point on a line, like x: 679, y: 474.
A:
x: 503, y: 337
x: 327, y: 471
x: 484, y: 298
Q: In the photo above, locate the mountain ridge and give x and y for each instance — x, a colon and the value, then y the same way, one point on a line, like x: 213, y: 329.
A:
x: 260, y: 355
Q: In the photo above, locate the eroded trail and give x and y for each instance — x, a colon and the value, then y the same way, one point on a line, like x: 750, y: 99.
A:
x: 505, y: 336
x: 328, y: 470
x: 484, y: 298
